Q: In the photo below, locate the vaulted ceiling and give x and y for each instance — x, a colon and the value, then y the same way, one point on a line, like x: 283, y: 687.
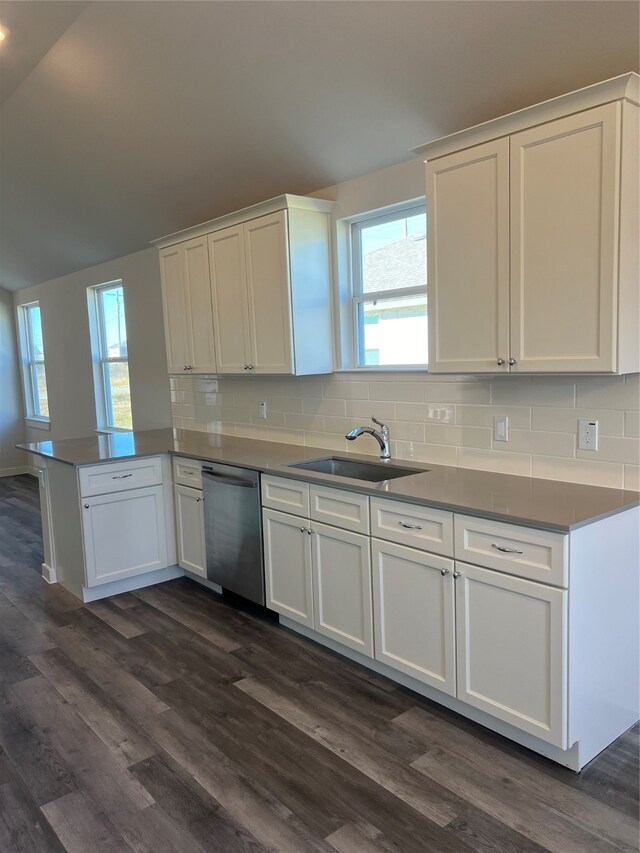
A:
x: 122, y: 121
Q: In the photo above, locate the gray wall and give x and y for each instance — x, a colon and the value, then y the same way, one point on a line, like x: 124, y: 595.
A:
x: 12, y: 461
x: 65, y: 329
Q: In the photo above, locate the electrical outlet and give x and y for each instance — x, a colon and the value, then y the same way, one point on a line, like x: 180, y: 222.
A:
x: 500, y: 428
x: 262, y: 409
x: 587, y: 435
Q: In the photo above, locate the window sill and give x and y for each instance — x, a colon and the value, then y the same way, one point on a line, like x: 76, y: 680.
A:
x: 385, y: 369
x: 38, y: 423
x: 111, y: 430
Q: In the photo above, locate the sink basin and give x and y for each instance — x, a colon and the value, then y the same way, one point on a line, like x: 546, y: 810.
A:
x: 372, y: 472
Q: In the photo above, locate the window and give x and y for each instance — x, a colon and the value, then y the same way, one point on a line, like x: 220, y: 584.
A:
x: 389, y: 288
x: 34, y: 374
x: 110, y: 356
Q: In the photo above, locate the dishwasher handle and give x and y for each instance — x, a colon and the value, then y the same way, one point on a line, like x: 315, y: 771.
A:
x: 225, y: 480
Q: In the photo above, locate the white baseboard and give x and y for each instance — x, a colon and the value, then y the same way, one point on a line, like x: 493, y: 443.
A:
x: 128, y: 584
x: 13, y: 472
x: 49, y: 574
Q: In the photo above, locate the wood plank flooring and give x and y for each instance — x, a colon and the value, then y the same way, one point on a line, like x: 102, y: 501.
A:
x: 167, y: 720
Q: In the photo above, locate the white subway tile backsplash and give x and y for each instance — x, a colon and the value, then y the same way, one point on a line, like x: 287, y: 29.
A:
x: 611, y: 393
x: 632, y: 424
x: 519, y: 416
x: 445, y: 420
x: 615, y: 449
x: 577, y: 471
x: 632, y: 477
x: 557, y: 419
x: 502, y: 463
x: 523, y: 391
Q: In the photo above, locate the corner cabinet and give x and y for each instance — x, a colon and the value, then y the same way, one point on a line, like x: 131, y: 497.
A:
x: 268, y: 280
x: 533, y: 238
x: 186, y: 301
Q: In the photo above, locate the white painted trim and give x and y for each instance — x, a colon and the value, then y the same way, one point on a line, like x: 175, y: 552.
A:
x: 570, y: 758
x: 272, y: 205
x: 13, y: 472
x: 104, y: 590
x: 626, y: 86
x: 49, y: 574
x: 37, y: 423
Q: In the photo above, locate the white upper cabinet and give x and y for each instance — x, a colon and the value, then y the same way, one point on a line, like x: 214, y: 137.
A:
x: 268, y: 279
x: 468, y: 258
x: 186, y: 297
x: 533, y: 238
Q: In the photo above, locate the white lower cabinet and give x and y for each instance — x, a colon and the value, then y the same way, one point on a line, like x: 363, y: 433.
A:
x: 414, y: 613
x: 287, y: 562
x: 512, y: 650
x: 124, y: 534
x: 341, y: 568
x: 190, y: 530
x: 319, y: 576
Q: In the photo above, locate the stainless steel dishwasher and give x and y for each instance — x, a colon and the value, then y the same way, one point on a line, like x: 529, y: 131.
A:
x: 233, y: 530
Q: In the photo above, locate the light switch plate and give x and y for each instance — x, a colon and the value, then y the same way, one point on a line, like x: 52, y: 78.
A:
x: 588, y: 433
x: 262, y: 409
x: 500, y: 428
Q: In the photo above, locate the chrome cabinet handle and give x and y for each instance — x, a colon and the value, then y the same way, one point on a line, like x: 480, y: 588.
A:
x: 506, y: 550
x: 198, y: 500
x: 121, y: 476
x: 410, y: 526
x: 302, y: 529
x: 500, y: 362
x: 457, y: 575
x: 444, y: 572
x: 86, y: 506
x: 512, y: 361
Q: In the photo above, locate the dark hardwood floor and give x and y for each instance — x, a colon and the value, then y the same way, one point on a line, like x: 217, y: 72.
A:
x: 166, y: 720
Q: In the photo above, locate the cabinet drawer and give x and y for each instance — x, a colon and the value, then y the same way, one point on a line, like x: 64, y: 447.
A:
x: 538, y: 555
x: 348, y: 510
x: 286, y: 495
x: 417, y: 526
x: 187, y: 472
x: 120, y: 476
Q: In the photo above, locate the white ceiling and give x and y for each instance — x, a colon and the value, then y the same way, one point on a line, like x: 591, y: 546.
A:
x: 141, y: 118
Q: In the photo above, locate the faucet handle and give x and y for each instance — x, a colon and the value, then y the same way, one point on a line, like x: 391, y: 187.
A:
x: 376, y: 421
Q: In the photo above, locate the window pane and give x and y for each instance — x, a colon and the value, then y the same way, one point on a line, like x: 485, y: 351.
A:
x: 35, y: 330
x: 394, y: 254
x: 114, y: 330
x: 40, y: 401
x: 118, y: 395
x: 393, y: 331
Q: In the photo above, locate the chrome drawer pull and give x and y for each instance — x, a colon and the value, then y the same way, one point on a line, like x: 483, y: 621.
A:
x: 506, y: 550
x: 410, y: 526
x: 121, y: 476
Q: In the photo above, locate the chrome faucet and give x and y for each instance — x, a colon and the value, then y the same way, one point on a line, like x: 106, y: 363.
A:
x: 381, y: 436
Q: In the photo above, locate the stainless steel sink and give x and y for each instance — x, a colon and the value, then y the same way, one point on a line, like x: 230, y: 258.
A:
x: 372, y: 472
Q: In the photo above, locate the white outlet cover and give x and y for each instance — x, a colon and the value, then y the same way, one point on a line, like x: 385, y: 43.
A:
x: 588, y: 434
x: 501, y: 428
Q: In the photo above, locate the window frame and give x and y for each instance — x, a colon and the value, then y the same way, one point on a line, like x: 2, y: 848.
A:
x: 357, y: 296
x: 29, y: 367
x: 101, y: 358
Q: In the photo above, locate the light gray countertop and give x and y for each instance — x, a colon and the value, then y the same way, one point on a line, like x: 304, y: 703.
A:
x: 546, y: 504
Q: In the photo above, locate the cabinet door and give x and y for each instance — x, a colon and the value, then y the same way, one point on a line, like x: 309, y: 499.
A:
x: 468, y: 260
x: 124, y: 534
x: 512, y: 652
x: 268, y: 294
x: 190, y: 530
x: 229, y: 295
x: 287, y: 561
x: 564, y: 235
x: 195, y: 261
x: 174, y: 302
x: 414, y: 620
x: 342, y: 587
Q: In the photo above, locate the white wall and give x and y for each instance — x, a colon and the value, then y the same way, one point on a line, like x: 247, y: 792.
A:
x: 12, y: 461
x: 65, y: 329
